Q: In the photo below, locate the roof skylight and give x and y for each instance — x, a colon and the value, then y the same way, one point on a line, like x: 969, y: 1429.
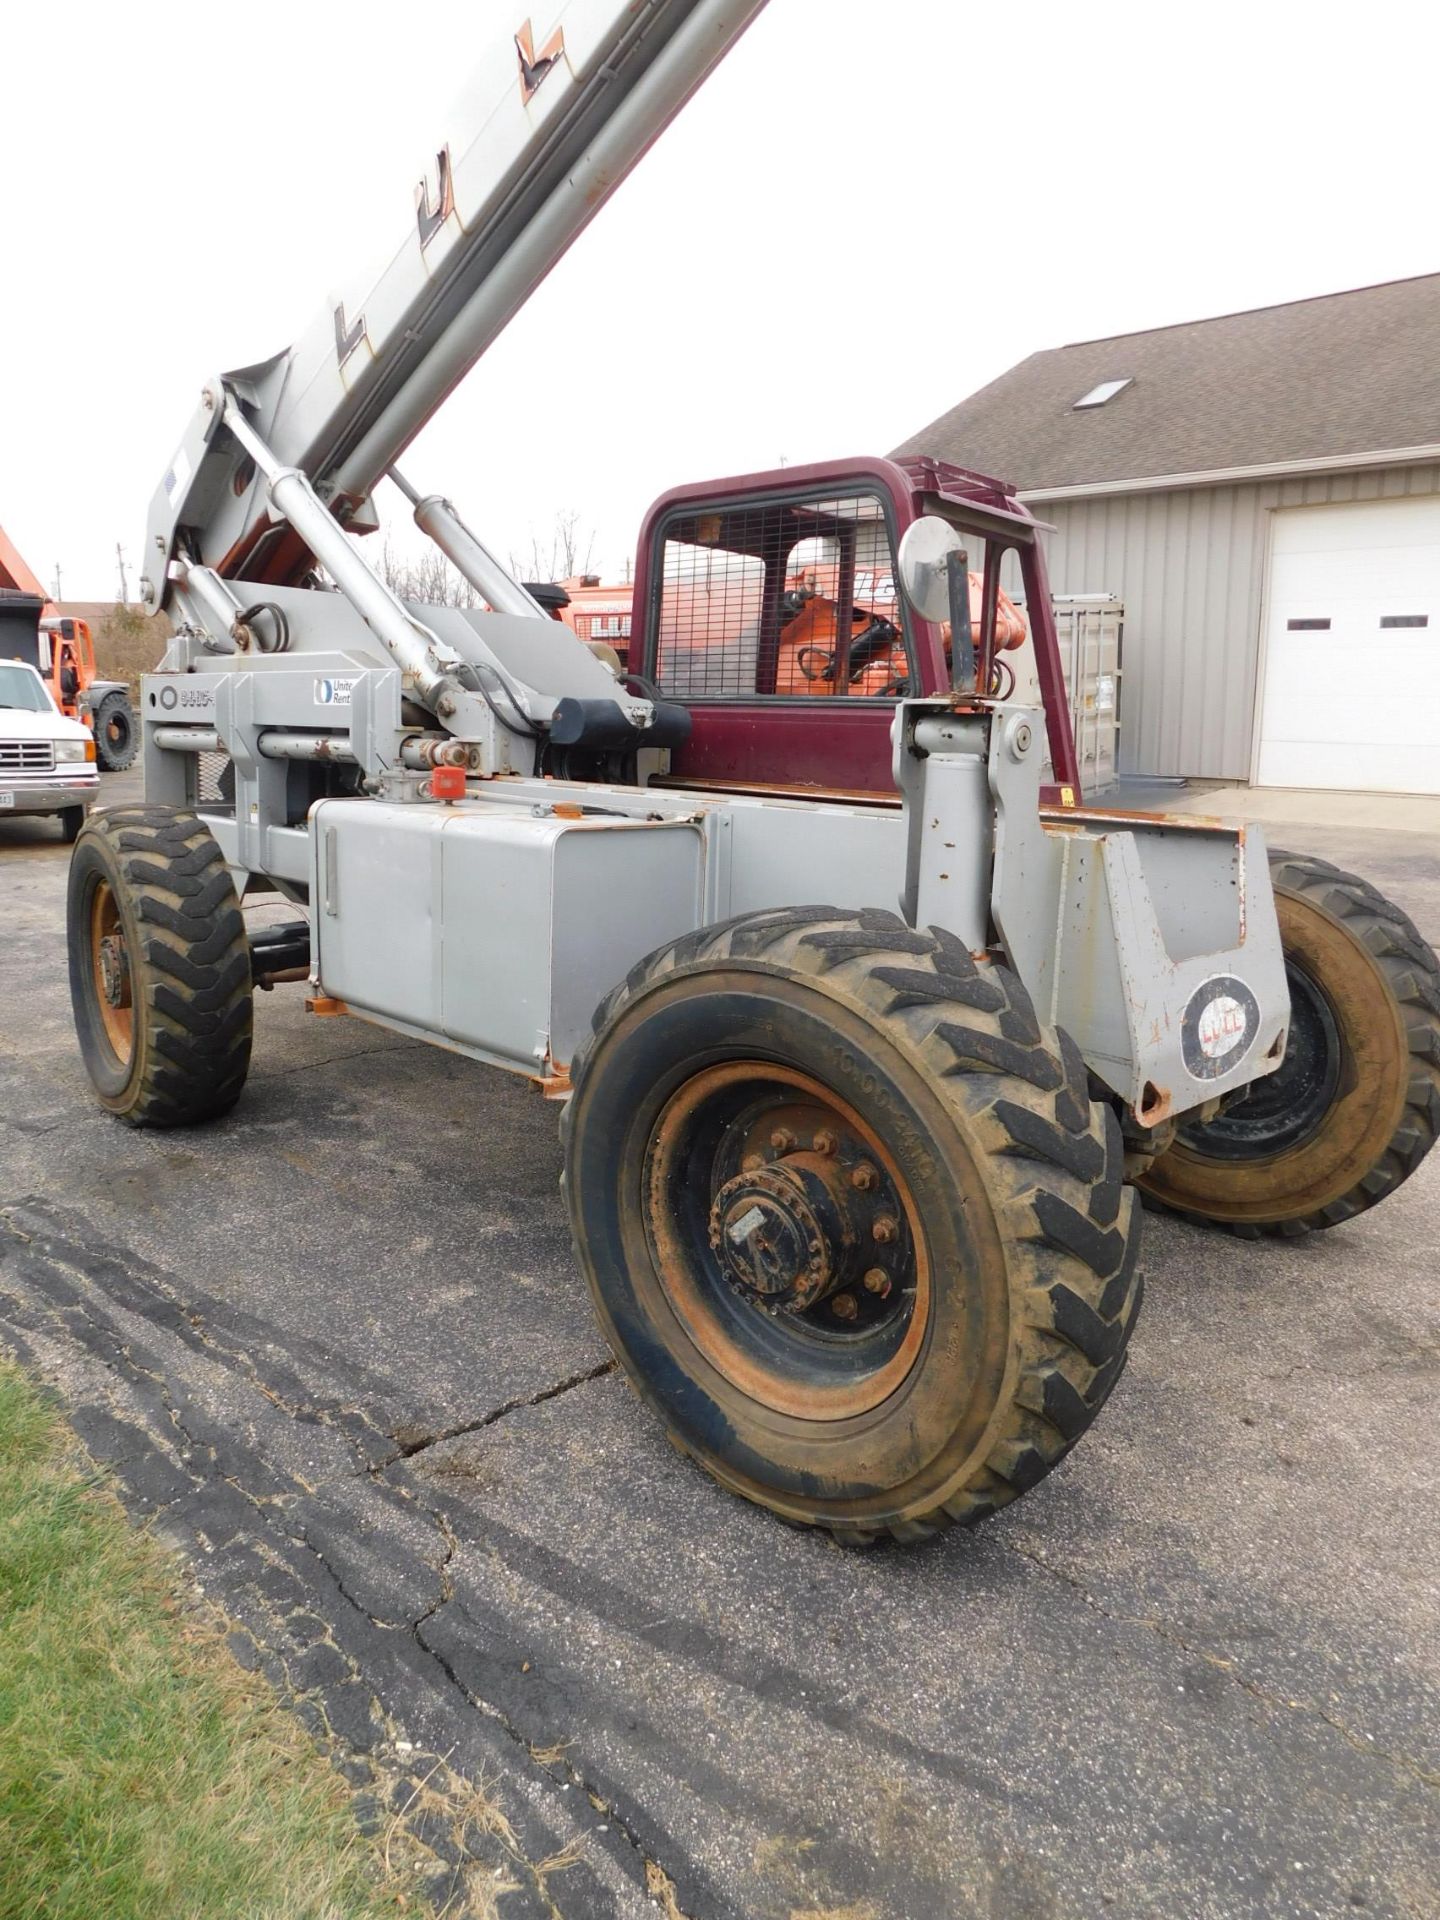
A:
x: 1107, y: 390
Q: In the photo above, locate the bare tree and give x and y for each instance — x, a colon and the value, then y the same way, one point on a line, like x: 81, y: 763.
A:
x: 569, y: 551
x: 425, y: 575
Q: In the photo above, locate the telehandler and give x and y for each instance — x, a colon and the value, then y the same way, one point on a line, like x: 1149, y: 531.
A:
x: 865, y: 1040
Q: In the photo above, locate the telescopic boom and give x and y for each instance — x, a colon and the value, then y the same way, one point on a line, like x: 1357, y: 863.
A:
x: 549, y: 126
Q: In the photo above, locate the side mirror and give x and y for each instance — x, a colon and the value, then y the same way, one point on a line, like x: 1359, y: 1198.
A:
x: 923, y: 565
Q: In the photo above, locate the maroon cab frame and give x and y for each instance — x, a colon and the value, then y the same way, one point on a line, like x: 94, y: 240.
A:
x: 842, y: 746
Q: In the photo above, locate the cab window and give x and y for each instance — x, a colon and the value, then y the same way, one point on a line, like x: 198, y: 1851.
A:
x: 781, y: 600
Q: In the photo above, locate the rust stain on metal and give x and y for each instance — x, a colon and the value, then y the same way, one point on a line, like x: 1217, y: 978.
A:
x: 783, y: 790
x: 555, y: 1084
x: 1067, y: 818
x: 1155, y: 1103
x: 816, y: 1110
x: 281, y: 977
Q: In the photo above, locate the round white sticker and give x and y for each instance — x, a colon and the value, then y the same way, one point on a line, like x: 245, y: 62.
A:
x: 1221, y: 1026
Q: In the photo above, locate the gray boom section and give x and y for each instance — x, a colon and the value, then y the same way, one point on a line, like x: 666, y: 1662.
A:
x: 536, y: 144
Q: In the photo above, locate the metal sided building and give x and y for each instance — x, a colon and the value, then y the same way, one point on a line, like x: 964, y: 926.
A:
x: 1262, y: 491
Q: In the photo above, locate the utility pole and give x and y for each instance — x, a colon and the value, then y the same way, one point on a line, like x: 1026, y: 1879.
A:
x: 58, y: 594
x: 120, y: 561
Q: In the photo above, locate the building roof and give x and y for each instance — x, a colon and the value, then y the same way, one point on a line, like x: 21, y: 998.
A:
x: 1339, y: 377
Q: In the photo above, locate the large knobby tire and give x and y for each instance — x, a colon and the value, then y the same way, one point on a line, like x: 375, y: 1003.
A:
x: 160, y: 978
x: 757, y: 1101
x: 115, y: 733
x: 1355, y: 1106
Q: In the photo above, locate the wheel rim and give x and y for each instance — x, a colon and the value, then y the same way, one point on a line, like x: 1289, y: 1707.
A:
x: 1288, y: 1107
x: 116, y: 731
x: 110, y: 972
x: 786, y: 1240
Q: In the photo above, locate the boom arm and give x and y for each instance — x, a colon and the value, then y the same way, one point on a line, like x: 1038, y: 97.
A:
x: 543, y: 135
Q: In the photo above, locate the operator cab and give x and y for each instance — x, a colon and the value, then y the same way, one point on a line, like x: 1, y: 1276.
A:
x: 745, y: 590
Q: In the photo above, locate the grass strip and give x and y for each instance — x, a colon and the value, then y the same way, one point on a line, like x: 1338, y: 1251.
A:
x: 143, y: 1774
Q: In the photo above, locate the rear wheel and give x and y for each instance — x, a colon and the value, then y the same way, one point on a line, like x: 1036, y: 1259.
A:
x: 850, y: 1219
x: 114, y: 733
x: 159, y: 967
x: 1355, y: 1105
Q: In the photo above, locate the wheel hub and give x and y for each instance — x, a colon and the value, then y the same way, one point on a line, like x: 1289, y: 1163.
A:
x: 114, y: 970
x: 786, y: 1233
x: 785, y: 1238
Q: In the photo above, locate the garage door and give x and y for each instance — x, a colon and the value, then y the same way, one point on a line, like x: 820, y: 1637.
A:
x: 1352, y: 658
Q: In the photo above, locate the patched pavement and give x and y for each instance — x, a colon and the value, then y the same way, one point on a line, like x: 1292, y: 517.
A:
x: 336, y: 1350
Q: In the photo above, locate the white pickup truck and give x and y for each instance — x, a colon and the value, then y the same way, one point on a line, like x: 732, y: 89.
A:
x: 47, y: 763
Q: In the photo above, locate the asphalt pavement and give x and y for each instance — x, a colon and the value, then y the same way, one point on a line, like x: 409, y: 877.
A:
x: 337, y: 1352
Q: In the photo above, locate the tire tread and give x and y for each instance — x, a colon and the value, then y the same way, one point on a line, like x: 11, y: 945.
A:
x: 1052, y: 1160
x: 193, y: 970
x: 1412, y: 975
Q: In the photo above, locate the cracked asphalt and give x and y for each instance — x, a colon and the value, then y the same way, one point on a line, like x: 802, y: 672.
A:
x: 336, y: 1352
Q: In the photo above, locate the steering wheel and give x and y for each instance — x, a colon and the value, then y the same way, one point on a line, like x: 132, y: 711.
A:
x: 878, y: 637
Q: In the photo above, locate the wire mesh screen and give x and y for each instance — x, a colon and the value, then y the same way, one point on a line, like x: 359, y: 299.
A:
x: 206, y: 776
x: 780, y: 599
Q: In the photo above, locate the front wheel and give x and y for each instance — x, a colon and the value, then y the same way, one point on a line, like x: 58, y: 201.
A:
x: 1355, y: 1105
x: 160, y: 978
x: 850, y: 1219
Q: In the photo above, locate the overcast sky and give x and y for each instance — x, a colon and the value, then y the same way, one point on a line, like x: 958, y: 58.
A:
x: 805, y: 266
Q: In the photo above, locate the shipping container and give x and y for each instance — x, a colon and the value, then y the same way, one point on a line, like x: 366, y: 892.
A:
x: 1090, y: 628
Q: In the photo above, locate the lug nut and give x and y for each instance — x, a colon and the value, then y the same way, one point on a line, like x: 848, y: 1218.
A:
x: 877, y: 1281
x: 864, y: 1177
x: 885, y: 1228
x: 843, y: 1306
x: 825, y: 1141
x: 752, y: 1163
x: 782, y: 1140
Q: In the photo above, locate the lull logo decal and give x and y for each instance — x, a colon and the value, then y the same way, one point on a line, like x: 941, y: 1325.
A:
x: 534, y: 66
x: 431, y: 215
x: 347, y: 338
x: 1220, y: 1021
